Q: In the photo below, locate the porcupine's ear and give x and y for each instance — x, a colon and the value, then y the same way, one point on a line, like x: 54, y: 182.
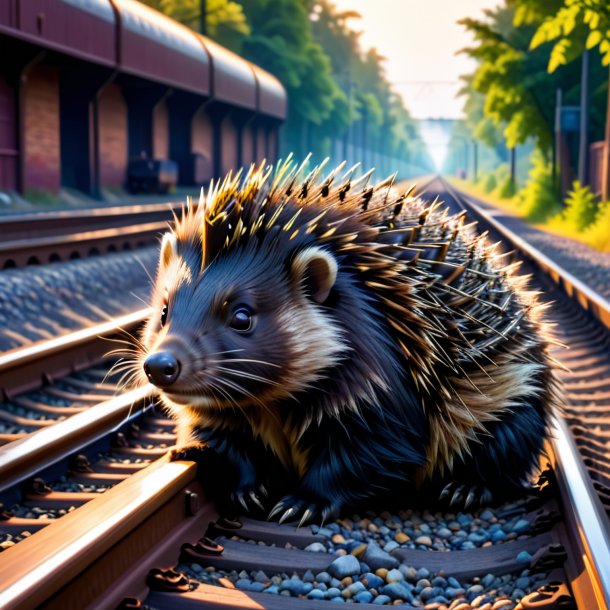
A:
x: 169, y: 249
x: 316, y: 269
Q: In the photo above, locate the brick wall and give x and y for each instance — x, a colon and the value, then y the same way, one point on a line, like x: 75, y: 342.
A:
x: 247, y: 146
x: 228, y: 146
x: 160, y: 131
x: 261, y: 144
x: 112, y: 137
x: 202, y: 135
x: 41, y: 144
x: 8, y: 136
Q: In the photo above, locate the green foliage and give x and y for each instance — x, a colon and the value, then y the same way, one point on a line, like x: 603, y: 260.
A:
x: 597, y: 234
x: 581, y: 207
x: 334, y: 86
x: 489, y: 183
x: 225, y: 20
x: 518, y: 96
x: 539, y: 200
x: 504, y: 185
x: 567, y: 28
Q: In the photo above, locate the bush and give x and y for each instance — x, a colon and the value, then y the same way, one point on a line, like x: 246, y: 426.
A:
x: 489, y: 183
x: 597, y: 234
x: 538, y: 199
x: 581, y: 207
x: 506, y: 188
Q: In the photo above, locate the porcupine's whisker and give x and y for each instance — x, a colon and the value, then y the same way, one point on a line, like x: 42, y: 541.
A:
x: 241, y: 389
x: 223, y: 392
x: 118, y: 366
x: 150, y: 277
x: 245, y: 375
x: 137, y: 296
x: 231, y: 360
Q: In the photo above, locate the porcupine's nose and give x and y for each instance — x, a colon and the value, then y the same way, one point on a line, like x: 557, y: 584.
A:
x: 162, y: 368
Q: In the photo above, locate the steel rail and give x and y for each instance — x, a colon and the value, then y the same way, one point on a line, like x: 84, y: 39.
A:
x: 27, y: 456
x: 61, y: 221
x: 31, y: 245
x: 44, y: 237
x: 572, y: 286
x: 590, y: 526
x: 148, y: 505
x: 24, y: 368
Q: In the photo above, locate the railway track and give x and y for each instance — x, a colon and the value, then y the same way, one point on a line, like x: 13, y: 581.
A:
x: 145, y: 536
x: 47, y: 237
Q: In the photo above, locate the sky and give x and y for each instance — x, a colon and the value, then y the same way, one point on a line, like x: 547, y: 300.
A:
x: 420, y: 39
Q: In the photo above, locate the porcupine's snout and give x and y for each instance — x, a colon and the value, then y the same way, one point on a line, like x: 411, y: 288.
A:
x: 162, y: 368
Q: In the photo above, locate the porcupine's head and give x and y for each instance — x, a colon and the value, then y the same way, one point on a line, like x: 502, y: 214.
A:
x: 261, y: 295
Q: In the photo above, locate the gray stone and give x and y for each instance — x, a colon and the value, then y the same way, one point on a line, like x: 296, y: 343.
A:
x: 397, y: 590
x: 260, y: 576
x: 316, y: 594
x: 377, y: 558
x: 521, y: 526
x: 347, y: 565
x: 308, y: 576
x: 524, y: 557
x: 316, y: 547
x: 364, y: 597
x: 333, y: 592
x: 394, y: 576
x: 382, y: 600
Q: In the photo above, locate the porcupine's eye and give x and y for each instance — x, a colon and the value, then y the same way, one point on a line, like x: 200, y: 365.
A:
x: 241, y: 320
x: 164, y: 315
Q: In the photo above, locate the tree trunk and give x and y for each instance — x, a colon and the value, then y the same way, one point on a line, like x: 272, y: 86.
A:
x: 606, y: 158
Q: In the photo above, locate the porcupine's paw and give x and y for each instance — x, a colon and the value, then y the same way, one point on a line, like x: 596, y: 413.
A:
x: 192, y: 452
x: 251, y: 498
x: 458, y: 495
x: 293, y: 508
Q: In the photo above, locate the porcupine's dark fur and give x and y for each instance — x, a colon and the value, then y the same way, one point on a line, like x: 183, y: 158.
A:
x: 390, y: 348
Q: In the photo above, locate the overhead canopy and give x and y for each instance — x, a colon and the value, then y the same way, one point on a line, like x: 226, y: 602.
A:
x: 272, y: 99
x: 82, y: 28
x: 161, y: 49
x: 232, y: 77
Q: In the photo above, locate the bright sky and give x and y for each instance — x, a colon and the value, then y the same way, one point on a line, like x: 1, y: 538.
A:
x: 420, y: 38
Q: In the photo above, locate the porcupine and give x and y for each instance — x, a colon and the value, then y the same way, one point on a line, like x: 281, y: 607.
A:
x: 324, y: 342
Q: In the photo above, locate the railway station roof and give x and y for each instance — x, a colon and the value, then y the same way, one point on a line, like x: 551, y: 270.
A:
x: 82, y: 28
x: 159, y: 48
x: 272, y: 98
x: 233, y: 79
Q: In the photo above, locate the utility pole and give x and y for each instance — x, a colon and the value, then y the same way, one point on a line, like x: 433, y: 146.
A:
x: 583, y: 147
x: 475, y: 160
x: 557, y: 132
x: 203, y: 25
x: 606, y: 157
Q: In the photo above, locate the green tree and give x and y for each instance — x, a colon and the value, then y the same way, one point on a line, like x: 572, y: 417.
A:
x: 225, y: 20
x: 281, y: 41
x: 566, y: 27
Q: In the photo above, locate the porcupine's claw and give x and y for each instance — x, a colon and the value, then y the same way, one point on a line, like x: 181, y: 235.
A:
x: 309, y: 513
x: 275, y: 510
x: 263, y: 490
x: 256, y: 501
x: 307, y: 510
x: 471, y: 497
x: 445, y: 491
x: 458, y: 496
x: 242, y: 501
x: 289, y: 513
